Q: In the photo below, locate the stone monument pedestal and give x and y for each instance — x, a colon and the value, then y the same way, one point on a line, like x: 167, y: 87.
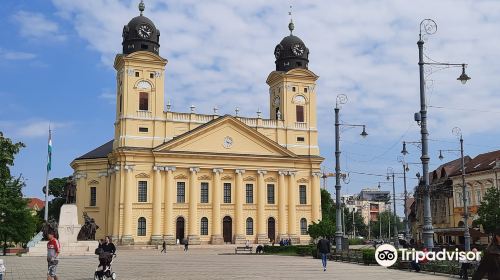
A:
x: 68, y: 232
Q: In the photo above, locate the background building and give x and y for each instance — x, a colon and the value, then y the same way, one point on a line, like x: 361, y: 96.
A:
x: 369, y: 202
x: 203, y: 177
x: 447, y: 198
x: 35, y: 204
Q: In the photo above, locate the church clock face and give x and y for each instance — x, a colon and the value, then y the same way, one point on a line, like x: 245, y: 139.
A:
x: 144, y: 31
x: 228, y: 142
x: 297, y: 50
x: 277, y: 51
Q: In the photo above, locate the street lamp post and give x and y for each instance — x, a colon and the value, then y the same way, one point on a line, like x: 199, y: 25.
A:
x: 341, y: 99
x: 429, y: 27
x: 406, y: 168
x: 458, y: 132
x: 390, y: 173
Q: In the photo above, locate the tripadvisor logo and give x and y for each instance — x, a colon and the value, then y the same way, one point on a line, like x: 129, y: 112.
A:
x: 387, y: 255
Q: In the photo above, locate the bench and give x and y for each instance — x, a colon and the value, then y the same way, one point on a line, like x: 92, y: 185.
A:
x: 244, y: 249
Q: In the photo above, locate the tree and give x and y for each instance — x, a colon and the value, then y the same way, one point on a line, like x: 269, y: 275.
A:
x: 385, y: 218
x: 17, y: 224
x: 328, y: 209
x: 489, y: 210
x: 326, y: 227
x: 359, y: 224
x: 56, y: 189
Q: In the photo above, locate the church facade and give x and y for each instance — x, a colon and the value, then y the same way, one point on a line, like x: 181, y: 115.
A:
x: 208, y: 178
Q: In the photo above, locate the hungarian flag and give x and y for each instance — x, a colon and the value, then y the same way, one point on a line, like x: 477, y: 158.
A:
x: 49, y: 156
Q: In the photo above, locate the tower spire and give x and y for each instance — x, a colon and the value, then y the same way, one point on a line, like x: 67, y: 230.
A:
x: 141, y: 7
x: 291, y: 26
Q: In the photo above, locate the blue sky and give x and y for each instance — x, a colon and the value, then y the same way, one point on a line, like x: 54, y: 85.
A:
x: 56, y: 67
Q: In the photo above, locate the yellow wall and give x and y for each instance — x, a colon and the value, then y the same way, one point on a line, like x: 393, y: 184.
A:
x: 261, y: 152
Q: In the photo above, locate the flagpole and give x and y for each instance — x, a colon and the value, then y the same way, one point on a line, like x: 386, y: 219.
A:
x: 49, y: 163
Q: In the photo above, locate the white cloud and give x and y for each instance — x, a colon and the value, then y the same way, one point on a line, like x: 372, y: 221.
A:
x: 34, y: 25
x: 222, y: 50
x: 108, y: 95
x: 16, y: 55
x: 220, y: 53
x: 30, y: 128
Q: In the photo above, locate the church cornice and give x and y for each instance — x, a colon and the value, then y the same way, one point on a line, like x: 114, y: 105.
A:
x: 298, y: 73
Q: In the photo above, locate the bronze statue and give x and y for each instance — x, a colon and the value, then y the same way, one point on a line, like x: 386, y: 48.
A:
x: 70, y: 191
x: 88, y: 230
x: 50, y: 226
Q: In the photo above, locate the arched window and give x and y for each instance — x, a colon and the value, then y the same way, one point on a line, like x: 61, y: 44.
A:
x: 204, y: 226
x: 143, y: 101
x: 249, y: 226
x: 141, y: 226
x: 303, y: 226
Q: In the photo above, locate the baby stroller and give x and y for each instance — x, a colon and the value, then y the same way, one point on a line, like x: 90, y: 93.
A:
x: 104, y: 271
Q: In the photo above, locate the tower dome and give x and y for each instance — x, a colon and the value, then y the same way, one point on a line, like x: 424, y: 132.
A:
x: 291, y: 52
x: 140, y: 34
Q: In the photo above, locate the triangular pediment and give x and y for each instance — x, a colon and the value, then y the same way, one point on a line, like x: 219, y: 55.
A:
x: 225, y: 135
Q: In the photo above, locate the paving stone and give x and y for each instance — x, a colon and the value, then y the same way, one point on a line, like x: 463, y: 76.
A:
x: 202, y: 263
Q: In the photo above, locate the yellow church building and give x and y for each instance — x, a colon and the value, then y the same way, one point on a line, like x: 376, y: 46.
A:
x: 207, y: 178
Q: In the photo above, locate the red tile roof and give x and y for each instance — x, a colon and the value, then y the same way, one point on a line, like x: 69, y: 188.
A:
x: 482, y: 162
x: 33, y: 201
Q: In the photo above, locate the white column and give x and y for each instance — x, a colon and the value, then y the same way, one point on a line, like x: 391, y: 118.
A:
x: 315, y: 197
x: 169, y: 195
x: 193, y: 233
x: 239, y: 237
x: 127, y: 206
x: 282, y: 232
x: 216, y: 198
x: 116, y: 202
x: 292, y: 207
x: 262, y: 237
x: 156, y: 236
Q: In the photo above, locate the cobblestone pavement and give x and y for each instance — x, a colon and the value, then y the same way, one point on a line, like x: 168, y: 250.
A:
x: 202, y: 263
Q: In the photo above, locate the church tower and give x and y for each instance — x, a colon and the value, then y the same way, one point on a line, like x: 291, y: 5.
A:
x: 139, y: 83
x: 292, y: 94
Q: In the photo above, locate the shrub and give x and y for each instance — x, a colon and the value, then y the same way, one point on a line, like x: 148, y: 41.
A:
x: 314, y: 252
x: 369, y: 256
x: 356, y: 241
x: 302, y: 250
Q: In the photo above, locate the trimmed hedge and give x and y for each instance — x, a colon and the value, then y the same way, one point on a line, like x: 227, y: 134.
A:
x: 301, y: 250
x: 356, y: 241
x: 368, y: 256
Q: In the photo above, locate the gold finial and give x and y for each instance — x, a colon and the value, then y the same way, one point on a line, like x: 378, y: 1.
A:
x: 291, y: 26
x: 141, y: 7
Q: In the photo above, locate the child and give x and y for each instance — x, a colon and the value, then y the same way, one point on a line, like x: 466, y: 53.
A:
x: 2, y: 269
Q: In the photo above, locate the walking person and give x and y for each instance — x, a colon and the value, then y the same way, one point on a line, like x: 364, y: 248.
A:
x: 2, y: 269
x: 186, y: 245
x: 490, y: 262
x: 465, y: 265
x: 323, y: 249
x: 53, y: 250
x: 108, y: 249
x: 164, y: 247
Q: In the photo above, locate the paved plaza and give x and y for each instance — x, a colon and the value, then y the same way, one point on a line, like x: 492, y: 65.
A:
x: 203, y: 263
